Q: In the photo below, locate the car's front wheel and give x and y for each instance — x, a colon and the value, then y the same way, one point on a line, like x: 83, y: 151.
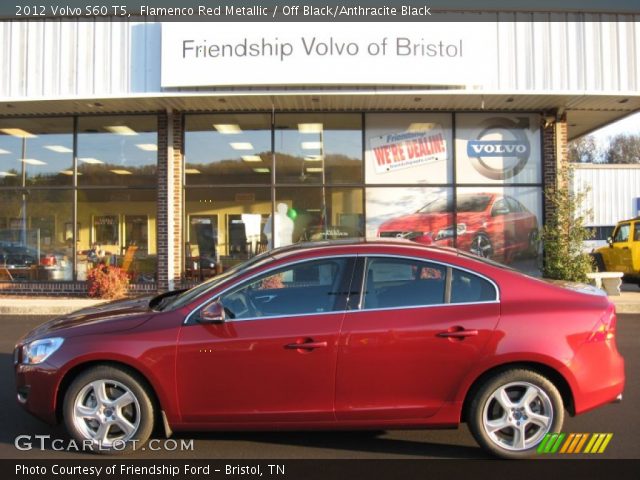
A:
x: 511, y: 413
x: 108, y: 408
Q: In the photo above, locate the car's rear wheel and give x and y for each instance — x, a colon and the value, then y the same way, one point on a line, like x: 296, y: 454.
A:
x: 511, y: 413
x: 481, y: 246
x: 108, y: 408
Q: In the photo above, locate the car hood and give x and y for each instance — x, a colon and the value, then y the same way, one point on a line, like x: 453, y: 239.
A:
x: 107, y: 317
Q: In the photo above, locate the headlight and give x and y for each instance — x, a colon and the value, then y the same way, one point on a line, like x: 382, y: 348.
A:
x: 447, y: 232
x: 39, y: 350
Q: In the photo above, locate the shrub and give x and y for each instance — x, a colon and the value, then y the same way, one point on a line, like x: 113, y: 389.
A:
x: 105, y: 281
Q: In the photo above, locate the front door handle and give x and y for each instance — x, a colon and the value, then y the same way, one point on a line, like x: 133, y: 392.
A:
x: 458, y: 333
x: 307, y: 345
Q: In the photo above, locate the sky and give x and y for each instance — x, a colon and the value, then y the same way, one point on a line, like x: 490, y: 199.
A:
x: 628, y: 125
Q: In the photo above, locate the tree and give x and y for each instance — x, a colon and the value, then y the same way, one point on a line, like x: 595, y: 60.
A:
x: 564, y: 233
x: 624, y: 148
x: 585, y: 150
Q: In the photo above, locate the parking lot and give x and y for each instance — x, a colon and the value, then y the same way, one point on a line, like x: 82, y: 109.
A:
x: 622, y: 420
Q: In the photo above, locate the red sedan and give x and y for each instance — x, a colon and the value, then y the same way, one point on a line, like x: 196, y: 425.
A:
x: 377, y: 334
x: 488, y: 224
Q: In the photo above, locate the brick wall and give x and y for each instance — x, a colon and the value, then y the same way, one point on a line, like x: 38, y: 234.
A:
x: 63, y: 289
x: 554, y: 154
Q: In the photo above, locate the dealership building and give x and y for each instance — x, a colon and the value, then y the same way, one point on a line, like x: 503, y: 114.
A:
x: 176, y: 150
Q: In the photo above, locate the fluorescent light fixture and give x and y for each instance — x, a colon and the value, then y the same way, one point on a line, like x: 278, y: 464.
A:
x: 3, y: 151
x: 7, y: 174
x: 314, y: 169
x: 58, y: 148
x: 121, y: 172
x: 241, y: 146
x: 33, y: 161
x: 90, y: 160
x: 311, y: 145
x: 147, y: 147
x: 17, y: 132
x: 310, y: 127
x: 313, y: 158
x: 121, y: 130
x: 227, y: 128
x: 191, y: 171
x: 420, y: 127
x: 251, y: 158
x: 261, y: 170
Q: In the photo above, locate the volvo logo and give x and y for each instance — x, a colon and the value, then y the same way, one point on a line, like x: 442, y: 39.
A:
x: 501, y: 148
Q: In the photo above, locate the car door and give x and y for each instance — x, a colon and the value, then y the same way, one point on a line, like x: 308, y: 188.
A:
x: 419, y: 329
x: 274, y: 357
x: 619, y: 256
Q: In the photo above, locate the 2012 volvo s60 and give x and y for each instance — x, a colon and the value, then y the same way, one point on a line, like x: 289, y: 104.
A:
x: 366, y: 334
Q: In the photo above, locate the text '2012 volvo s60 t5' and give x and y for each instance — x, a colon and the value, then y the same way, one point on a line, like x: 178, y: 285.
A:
x: 364, y: 334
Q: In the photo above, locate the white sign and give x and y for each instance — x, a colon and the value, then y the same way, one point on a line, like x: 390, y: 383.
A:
x: 408, y: 149
x: 222, y: 54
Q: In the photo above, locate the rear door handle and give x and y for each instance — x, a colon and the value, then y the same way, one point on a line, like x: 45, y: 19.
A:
x: 306, y: 345
x: 458, y: 333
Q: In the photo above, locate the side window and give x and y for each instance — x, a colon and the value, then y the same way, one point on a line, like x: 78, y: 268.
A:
x: 396, y: 282
x: 515, y: 205
x: 636, y: 231
x: 303, y: 288
x: 499, y: 208
x: 467, y: 288
x: 622, y: 233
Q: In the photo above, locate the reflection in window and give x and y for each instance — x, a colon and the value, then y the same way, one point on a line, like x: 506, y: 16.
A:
x: 399, y: 282
x: 117, y: 150
x: 228, y: 148
x: 41, y: 149
x: 316, y: 148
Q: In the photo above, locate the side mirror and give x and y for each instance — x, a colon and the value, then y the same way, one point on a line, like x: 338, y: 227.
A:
x: 610, y: 241
x: 212, y: 313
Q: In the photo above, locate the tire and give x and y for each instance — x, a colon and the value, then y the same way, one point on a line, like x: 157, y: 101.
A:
x: 517, y: 430
x: 481, y: 246
x: 598, y: 262
x: 121, y: 421
x: 533, y: 249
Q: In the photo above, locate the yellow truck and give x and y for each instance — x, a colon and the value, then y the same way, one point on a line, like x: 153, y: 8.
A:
x: 622, y: 254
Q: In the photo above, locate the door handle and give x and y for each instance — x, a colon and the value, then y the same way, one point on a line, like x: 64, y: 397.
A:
x: 305, y: 345
x: 460, y: 333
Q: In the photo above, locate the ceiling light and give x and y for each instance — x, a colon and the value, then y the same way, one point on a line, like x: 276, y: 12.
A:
x: 251, y: 158
x: 420, y: 127
x: 17, y: 132
x: 310, y: 127
x: 227, y: 128
x: 58, y: 148
x: 121, y: 130
x: 90, y: 160
x: 241, y: 146
x: 261, y: 170
x: 7, y: 174
x: 3, y: 151
x: 191, y: 171
x: 314, y: 169
x: 312, y: 145
x: 121, y: 172
x: 313, y: 158
x: 147, y: 147
x: 33, y: 161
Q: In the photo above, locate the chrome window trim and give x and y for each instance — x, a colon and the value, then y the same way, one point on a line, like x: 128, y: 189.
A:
x: 360, y: 309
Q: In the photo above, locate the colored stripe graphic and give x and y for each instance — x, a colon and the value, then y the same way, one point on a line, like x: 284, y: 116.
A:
x: 573, y: 443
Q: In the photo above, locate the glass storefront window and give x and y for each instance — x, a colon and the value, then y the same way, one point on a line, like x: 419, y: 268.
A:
x: 311, y: 214
x: 501, y: 223
x: 318, y: 148
x: 34, y: 245
x: 117, y: 227
x: 228, y: 149
x: 117, y: 150
x: 421, y: 214
x: 408, y: 148
x: 223, y: 227
x: 40, y: 149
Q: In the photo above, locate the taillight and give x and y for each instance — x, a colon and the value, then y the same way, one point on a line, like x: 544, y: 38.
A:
x: 605, y: 329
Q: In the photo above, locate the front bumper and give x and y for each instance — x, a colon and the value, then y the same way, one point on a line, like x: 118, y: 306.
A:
x: 36, y: 390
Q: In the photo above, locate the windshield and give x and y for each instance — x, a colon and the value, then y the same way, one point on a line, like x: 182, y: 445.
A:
x: 189, y: 295
x: 470, y: 202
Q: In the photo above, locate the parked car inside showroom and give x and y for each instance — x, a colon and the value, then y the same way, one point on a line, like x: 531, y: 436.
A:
x: 489, y: 225
x: 352, y: 334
